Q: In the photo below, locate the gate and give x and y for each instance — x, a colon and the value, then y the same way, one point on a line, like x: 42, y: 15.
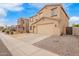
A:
x: 69, y: 30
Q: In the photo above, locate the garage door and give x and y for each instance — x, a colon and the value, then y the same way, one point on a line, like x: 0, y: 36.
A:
x: 48, y: 29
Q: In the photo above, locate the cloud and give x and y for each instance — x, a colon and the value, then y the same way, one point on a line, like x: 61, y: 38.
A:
x: 15, y: 9
x: 66, y: 5
x: 11, y: 6
x: 38, y: 5
x: 2, y: 22
x: 4, y: 7
x: 5, y: 21
x: 73, y: 20
x: 2, y: 13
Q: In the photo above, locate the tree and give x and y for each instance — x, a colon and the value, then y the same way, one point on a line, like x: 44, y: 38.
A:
x: 75, y: 25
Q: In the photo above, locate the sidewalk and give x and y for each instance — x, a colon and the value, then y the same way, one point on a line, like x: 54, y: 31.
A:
x: 20, y: 48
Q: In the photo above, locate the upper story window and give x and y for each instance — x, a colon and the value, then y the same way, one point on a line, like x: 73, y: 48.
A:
x: 54, y: 12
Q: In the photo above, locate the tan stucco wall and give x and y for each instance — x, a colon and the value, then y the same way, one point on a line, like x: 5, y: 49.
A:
x: 63, y: 21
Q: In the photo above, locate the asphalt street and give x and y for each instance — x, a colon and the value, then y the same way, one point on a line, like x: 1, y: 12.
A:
x: 3, y: 49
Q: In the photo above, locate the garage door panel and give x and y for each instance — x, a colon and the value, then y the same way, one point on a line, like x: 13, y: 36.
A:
x: 47, y: 29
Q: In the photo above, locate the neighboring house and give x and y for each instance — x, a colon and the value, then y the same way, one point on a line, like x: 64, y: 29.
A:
x: 22, y: 25
x: 1, y: 28
x: 52, y: 19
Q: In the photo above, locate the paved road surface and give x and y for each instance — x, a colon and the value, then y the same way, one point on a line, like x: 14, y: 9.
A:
x: 3, y: 50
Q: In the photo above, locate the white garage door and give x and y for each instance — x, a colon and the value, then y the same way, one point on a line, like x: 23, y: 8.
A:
x: 48, y: 29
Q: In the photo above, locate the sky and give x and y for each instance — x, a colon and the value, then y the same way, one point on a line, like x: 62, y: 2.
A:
x: 11, y: 12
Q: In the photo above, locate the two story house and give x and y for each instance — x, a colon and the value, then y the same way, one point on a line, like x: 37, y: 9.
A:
x: 50, y: 20
x: 22, y: 25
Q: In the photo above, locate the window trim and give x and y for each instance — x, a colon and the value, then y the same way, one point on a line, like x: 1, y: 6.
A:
x: 53, y: 12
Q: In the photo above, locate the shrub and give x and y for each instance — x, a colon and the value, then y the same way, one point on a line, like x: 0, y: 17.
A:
x: 3, y: 30
x: 11, y: 32
x: 7, y: 32
x: 27, y: 31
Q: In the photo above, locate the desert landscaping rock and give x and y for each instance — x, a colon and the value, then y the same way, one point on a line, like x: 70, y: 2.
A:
x: 61, y: 45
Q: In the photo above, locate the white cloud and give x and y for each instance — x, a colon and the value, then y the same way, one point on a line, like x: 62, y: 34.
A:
x: 11, y: 6
x: 15, y: 9
x: 2, y: 22
x: 38, y: 5
x: 73, y: 20
x: 66, y: 5
x: 4, y: 7
x: 5, y: 21
x: 2, y: 13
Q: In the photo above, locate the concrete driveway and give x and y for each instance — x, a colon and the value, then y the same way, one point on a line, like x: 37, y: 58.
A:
x: 29, y: 38
x: 22, y: 48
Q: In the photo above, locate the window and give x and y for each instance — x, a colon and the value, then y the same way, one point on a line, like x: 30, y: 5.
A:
x: 54, y: 13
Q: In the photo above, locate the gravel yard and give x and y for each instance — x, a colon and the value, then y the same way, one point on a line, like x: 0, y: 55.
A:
x: 61, y: 45
x: 3, y: 50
